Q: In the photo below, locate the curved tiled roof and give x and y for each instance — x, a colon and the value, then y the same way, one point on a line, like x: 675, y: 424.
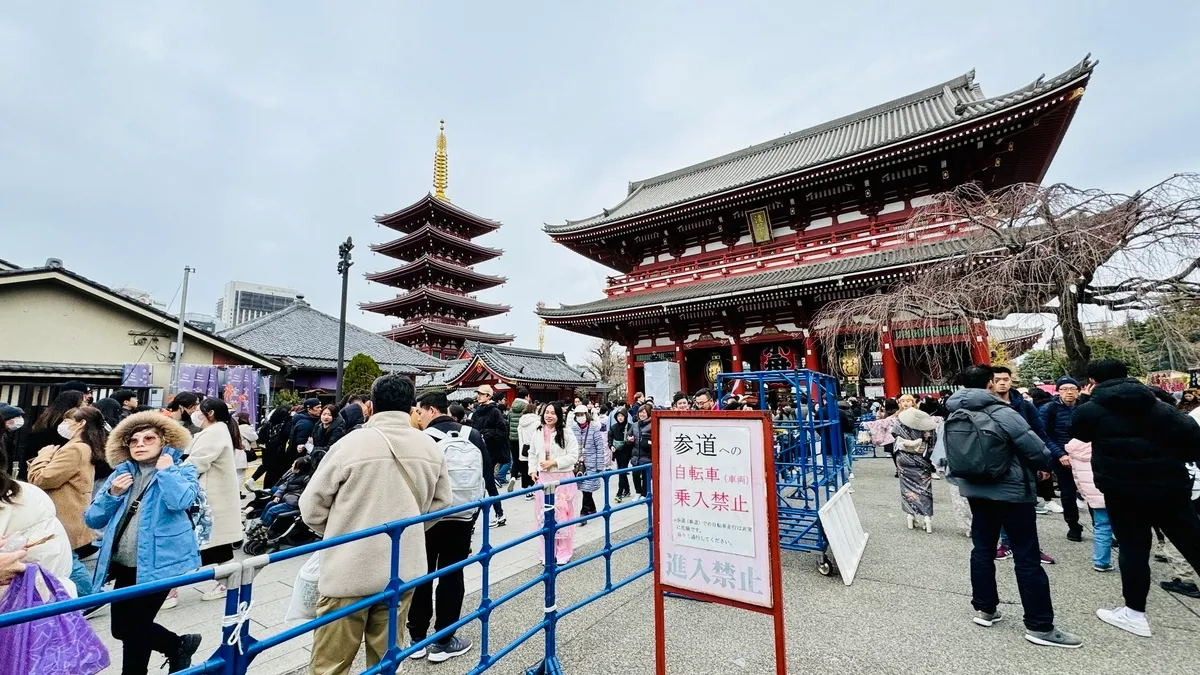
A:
x: 475, y: 280
x: 475, y: 308
x: 437, y: 328
x: 750, y: 283
x: 305, y: 337
x: 932, y: 110
x: 425, y: 236
x: 406, y: 218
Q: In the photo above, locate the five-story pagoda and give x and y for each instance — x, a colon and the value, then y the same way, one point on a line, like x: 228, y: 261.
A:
x: 437, y: 275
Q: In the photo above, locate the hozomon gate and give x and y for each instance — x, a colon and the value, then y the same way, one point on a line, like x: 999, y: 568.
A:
x: 724, y: 263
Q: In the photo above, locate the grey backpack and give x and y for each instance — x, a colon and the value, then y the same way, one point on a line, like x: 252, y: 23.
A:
x: 977, y: 449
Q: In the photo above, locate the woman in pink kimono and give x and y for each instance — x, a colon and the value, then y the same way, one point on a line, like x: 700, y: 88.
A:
x: 552, y: 458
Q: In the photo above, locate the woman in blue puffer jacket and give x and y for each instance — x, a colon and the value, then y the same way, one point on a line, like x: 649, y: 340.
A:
x: 148, y: 535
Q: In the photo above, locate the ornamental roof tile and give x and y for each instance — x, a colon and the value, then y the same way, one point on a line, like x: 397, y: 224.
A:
x: 305, y: 337
x: 475, y: 308
x: 528, y: 365
x: 934, y: 109
x: 408, y: 218
x: 899, y: 256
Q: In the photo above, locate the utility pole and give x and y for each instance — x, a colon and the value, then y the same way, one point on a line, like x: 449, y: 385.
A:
x: 343, y: 269
x: 173, y: 386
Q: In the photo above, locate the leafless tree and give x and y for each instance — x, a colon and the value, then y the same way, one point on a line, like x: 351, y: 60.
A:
x: 606, y: 359
x: 1033, y: 249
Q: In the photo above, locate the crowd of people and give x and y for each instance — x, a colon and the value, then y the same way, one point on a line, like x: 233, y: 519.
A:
x: 153, y: 493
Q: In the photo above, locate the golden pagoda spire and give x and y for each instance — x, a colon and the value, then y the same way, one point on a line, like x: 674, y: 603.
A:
x: 441, y: 168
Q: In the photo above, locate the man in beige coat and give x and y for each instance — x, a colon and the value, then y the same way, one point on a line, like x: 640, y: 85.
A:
x: 384, y: 472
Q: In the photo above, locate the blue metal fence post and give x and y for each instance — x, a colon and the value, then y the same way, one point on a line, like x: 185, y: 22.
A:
x: 549, y: 665
x: 390, y: 657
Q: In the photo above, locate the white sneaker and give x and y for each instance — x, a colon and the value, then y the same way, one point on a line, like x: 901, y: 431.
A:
x: 216, y: 593
x: 172, y: 600
x: 249, y: 485
x: 1124, y: 618
x: 499, y: 522
x: 1053, y: 507
x: 1040, y: 509
x: 512, y: 483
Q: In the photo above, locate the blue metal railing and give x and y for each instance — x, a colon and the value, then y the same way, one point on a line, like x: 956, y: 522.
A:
x: 239, y: 648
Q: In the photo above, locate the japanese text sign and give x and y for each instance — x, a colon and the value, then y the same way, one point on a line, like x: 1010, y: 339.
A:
x: 712, y: 503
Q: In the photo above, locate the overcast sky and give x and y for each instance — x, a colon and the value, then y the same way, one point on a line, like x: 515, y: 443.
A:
x: 248, y: 139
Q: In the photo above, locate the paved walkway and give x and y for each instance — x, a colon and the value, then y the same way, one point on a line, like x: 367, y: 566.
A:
x: 908, y: 611
x: 273, y: 590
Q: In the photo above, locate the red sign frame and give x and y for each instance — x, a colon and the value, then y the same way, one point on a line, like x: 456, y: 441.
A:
x: 773, y: 551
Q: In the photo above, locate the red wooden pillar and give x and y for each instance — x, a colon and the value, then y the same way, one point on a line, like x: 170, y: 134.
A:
x: 679, y: 358
x: 891, y: 368
x: 510, y: 395
x: 630, y: 375
x: 981, y: 351
x: 735, y: 354
x: 812, y: 359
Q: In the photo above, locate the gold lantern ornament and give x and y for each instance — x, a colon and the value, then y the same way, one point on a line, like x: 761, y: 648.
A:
x: 851, y: 363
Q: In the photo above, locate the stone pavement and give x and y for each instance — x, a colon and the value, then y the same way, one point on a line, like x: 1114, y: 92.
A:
x: 908, y: 611
x: 273, y: 590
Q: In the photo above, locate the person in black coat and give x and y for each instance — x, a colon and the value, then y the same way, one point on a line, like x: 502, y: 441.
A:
x: 329, y: 429
x: 492, y: 425
x: 1139, y: 447
x: 303, y: 424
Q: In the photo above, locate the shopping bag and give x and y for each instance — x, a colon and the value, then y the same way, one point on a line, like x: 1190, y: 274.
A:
x: 304, y: 591
x: 56, y: 645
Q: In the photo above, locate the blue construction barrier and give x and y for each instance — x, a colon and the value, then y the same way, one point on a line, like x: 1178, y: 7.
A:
x: 239, y: 648
x: 811, y: 463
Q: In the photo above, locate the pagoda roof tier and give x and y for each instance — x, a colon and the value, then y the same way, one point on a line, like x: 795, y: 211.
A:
x: 881, y: 133
x: 511, y: 365
x: 431, y: 210
x: 410, y: 330
x: 430, y: 270
x: 678, y: 298
x: 428, y: 301
x: 430, y: 240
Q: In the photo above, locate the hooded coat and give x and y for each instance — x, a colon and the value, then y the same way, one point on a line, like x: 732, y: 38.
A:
x: 519, y: 406
x: 1029, y: 455
x: 527, y: 426
x: 489, y: 421
x: 166, y: 537
x: 1139, y: 443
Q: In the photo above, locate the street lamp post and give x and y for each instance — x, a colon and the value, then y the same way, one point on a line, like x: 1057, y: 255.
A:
x: 344, y: 270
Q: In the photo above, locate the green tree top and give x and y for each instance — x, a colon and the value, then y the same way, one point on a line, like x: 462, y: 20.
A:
x: 360, y: 373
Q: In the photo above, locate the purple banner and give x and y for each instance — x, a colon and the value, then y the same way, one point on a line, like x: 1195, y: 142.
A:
x: 203, y: 380
x: 241, y: 390
x: 136, y: 375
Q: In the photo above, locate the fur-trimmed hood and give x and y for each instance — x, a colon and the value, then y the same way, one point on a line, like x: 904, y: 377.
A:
x: 116, y: 451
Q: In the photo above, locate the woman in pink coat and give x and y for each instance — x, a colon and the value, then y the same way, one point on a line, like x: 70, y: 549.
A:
x: 1081, y: 466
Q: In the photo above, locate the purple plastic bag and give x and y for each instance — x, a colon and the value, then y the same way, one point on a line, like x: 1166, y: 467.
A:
x: 56, y: 645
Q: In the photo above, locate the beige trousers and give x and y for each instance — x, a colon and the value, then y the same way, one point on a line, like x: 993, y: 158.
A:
x: 335, y: 645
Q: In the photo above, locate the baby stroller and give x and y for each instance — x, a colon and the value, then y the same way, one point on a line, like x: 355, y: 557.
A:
x: 286, y: 530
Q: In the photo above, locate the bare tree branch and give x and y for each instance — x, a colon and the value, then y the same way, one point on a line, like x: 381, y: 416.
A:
x: 1034, y: 249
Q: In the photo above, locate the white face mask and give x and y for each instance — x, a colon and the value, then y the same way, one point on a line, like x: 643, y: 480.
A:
x: 17, y: 423
x: 64, y: 430
x: 581, y: 419
x: 198, y: 419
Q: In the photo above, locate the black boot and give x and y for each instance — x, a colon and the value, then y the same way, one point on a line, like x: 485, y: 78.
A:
x: 1075, y: 533
x: 182, y: 658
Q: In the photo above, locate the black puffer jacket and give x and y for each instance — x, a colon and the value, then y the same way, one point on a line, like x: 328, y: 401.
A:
x: 490, y: 423
x: 1139, y: 444
x: 639, y: 434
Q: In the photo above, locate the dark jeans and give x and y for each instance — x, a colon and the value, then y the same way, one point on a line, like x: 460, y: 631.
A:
x: 133, y: 624
x: 589, y: 504
x: 1132, y: 521
x: 446, y: 543
x: 639, y: 481
x: 1066, y: 485
x: 1019, y: 521
x: 623, y: 456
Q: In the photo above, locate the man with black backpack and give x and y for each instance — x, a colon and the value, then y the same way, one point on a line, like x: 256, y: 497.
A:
x: 448, y: 541
x: 993, y: 457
